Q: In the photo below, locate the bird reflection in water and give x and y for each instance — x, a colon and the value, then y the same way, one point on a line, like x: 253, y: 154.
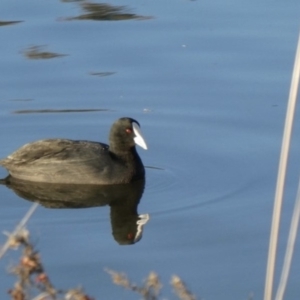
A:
x: 123, y: 199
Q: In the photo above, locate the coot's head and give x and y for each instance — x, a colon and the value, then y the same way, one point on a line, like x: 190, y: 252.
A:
x: 124, y: 134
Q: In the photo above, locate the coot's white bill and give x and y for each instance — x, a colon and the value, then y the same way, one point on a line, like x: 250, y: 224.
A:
x: 138, y: 139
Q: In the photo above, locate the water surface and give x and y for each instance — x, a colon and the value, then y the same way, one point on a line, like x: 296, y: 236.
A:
x: 208, y: 82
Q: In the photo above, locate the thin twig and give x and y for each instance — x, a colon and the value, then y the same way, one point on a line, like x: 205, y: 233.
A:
x: 18, y: 228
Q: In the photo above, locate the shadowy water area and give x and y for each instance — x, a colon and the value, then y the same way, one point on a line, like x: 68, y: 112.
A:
x: 208, y: 83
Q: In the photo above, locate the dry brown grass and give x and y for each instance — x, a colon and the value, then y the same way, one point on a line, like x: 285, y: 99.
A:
x: 31, y: 277
x: 151, y: 288
x: 33, y: 283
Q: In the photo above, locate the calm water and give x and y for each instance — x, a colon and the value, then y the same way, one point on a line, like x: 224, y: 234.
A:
x: 208, y: 81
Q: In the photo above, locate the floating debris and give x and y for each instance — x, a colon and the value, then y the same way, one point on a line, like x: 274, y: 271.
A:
x: 147, y: 110
x: 37, y: 52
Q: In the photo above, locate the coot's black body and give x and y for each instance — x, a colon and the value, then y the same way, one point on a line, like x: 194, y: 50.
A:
x: 82, y: 162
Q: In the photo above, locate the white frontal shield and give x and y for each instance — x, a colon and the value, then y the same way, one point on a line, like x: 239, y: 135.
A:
x: 138, y: 139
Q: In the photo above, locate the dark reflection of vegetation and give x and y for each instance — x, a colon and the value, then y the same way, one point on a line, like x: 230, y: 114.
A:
x: 37, y: 52
x: 123, y: 199
x: 21, y: 100
x: 102, y: 74
x: 5, y: 23
x: 49, y: 111
x: 105, y: 12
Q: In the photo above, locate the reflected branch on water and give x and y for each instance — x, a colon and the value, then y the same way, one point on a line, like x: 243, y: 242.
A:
x: 21, y: 100
x: 49, y: 111
x: 102, y: 74
x: 38, y: 52
x: 5, y: 23
x: 105, y: 12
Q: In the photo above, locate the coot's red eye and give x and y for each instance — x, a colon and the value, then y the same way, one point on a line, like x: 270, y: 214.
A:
x: 128, y: 130
x: 130, y: 236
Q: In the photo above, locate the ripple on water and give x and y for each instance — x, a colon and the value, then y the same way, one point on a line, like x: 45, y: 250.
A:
x: 172, y: 189
x: 169, y: 192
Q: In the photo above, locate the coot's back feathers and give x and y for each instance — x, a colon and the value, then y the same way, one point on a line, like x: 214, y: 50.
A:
x: 82, y: 162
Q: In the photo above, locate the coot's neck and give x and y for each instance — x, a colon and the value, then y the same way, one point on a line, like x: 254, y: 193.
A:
x: 129, y: 158
x: 122, y: 150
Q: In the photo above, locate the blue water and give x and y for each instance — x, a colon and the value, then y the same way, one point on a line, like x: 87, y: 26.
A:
x: 208, y: 82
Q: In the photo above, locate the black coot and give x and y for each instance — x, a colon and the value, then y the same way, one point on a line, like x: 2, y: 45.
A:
x: 82, y: 162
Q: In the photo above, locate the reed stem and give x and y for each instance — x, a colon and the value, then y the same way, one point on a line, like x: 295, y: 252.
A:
x: 281, y: 176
